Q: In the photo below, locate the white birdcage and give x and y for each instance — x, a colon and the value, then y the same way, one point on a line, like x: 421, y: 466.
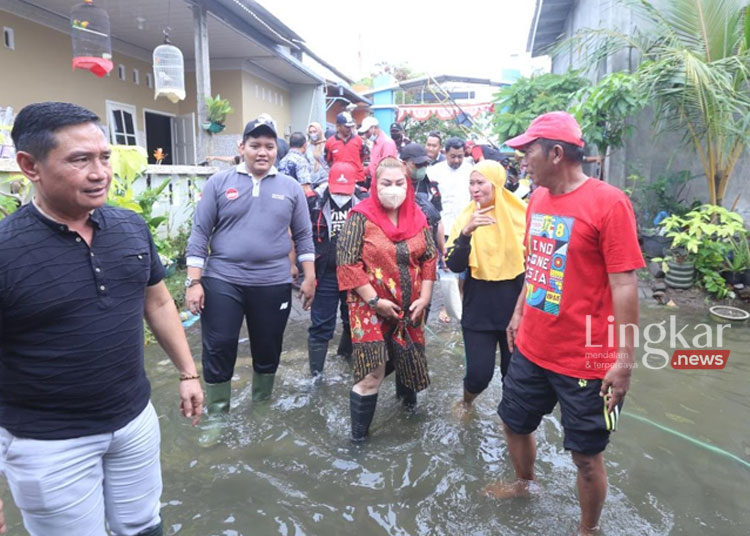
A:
x: 92, y: 46
x: 169, y: 73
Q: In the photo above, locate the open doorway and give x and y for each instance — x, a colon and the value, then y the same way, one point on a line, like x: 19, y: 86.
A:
x: 159, y: 135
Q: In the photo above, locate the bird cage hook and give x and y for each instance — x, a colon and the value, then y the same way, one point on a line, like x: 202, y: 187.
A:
x: 166, y: 31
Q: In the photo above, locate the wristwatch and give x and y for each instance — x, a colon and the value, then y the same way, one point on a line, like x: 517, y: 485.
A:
x: 189, y: 282
x: 373, y: 302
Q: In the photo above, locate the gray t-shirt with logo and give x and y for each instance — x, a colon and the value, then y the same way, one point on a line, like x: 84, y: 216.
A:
x: 241, y: 228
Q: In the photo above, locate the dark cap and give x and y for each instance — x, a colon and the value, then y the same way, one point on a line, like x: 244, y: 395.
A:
x: 259, y: 127
x: 397, y: 126
x: 345, y: 118
x: 414, y: 152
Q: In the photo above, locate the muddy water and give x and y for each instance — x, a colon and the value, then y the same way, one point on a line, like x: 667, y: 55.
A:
x: 286, y: 467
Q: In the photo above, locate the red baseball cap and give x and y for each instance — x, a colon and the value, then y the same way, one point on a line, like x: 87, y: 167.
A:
x: 342, y: 178
x: 560, y: 126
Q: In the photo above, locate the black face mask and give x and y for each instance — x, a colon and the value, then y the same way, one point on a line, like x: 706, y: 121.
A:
x: 397, y: 136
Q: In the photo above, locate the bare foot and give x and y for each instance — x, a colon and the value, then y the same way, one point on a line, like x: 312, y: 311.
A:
x: 504, y: 490
x: 444, y: 317
x: 582, y: 531
x: 463, y: 411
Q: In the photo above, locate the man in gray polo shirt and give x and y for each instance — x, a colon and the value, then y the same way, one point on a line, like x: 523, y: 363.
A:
x: 246, y: 214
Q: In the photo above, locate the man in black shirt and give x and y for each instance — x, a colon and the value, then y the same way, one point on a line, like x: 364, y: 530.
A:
x: 399, y: 137
x: 79, y: 438
x: 427, y: 191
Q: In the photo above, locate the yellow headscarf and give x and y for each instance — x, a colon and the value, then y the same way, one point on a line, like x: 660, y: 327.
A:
x: 496, y: 250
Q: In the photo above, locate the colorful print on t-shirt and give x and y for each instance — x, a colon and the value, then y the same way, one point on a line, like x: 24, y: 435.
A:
x: 545, y: 261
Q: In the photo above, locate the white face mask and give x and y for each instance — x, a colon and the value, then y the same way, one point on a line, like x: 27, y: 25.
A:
x: 392, y: 197
x: 340, y: 199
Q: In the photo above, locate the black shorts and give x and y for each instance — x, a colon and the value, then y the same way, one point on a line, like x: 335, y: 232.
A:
x: 530, y: 392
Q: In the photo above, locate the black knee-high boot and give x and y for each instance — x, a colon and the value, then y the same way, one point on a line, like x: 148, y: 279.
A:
x: 407, y: 396
x: 317, y: 351
x: 362, y: 410
x: 345, y: 344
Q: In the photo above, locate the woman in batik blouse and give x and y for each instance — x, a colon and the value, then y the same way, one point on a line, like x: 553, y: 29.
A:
x: 386, y: 261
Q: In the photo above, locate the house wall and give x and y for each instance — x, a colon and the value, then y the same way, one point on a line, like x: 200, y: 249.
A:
x: 336, y: 108
x: 260, y: 96
x: 307, y: 105
x: 647, y: 152
x: 39, y: 69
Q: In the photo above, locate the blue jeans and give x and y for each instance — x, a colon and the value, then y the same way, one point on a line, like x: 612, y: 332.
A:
x: 328, y: 298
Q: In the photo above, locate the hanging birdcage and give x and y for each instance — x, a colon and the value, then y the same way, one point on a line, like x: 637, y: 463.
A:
x: 92, y: 47
x: 169, y: 72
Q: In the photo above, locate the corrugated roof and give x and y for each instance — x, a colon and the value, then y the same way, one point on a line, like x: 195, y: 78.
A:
x: 548, y: 24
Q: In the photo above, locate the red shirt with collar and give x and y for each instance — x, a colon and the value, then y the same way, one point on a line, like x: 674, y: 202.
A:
x: 338, y: 150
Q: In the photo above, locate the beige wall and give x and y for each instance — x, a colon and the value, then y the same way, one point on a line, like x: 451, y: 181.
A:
x: 239, y: 88
x: 228, y: 84
x: 276, y: 101
x: 39, y: 69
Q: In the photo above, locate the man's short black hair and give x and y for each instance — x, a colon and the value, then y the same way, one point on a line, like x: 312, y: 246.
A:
x: 435, y: 134
x: 297, y: 140
x: 454, y: 143
x: 572, y: 153
x: 35, y: 125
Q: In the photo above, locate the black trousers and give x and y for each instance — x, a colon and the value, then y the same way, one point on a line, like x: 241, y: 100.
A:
x: 480, y: 347
x: 266, y: 310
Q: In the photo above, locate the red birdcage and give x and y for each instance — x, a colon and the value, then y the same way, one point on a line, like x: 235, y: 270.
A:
x: 92, y: 47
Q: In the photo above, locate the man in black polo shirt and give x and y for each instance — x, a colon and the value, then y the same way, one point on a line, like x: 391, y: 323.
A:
x: 79, y: 438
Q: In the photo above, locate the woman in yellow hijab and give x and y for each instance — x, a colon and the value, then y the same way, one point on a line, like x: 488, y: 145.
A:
x: 486, y: 242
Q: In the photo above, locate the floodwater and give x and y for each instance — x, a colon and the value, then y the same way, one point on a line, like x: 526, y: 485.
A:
x: 287, y: 467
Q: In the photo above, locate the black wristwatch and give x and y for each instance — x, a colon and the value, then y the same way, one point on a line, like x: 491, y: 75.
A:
x: 373, y: 302
x: 190, y: 282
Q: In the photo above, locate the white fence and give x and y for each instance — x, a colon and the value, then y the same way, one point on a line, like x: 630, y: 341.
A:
x: 176, y: 202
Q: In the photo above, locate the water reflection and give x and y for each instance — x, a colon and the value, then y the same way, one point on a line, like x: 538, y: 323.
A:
x: 286, y: 466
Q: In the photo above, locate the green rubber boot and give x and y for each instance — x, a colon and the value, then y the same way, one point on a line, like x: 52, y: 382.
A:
x: 262, y: 386
x: 218, y: 396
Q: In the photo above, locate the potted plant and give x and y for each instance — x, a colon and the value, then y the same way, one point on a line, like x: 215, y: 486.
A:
x: 706, y: 237
x: 218, y: 110
x: 680, y: 269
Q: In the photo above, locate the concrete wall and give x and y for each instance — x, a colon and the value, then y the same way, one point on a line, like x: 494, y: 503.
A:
x: 307, y: 105
x: 648, y: 152
x: 259, y: 96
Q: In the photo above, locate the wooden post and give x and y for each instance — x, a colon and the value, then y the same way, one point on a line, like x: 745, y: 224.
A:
x: 202, y: 78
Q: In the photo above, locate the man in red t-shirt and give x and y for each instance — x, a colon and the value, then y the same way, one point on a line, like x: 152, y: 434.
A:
x: 346, y: 146
x: 581, y: 255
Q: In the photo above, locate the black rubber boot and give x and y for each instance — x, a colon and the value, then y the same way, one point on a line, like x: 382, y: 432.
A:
x: 345, y: 344
x: 407, y: 396
x: 317, y: 351
x: 362, y: 410
x: 156, y: 530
